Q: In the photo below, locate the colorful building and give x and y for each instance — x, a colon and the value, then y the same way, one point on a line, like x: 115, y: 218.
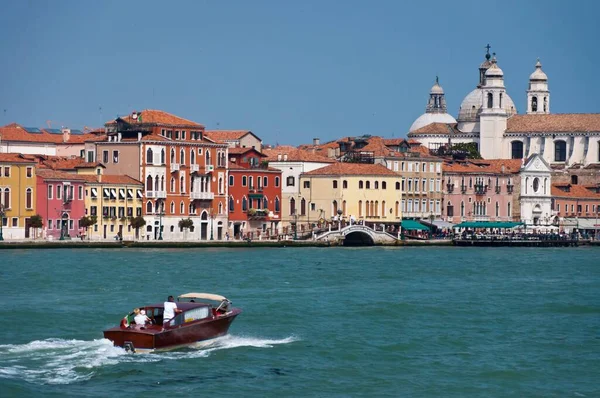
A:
x: 17, y: 195
x: 576, y: 207
x: 254, y: 195
x: 60, y: 203
x: 236, y: 138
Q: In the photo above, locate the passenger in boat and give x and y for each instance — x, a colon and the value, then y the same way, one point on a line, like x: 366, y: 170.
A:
x: 170, y: 310
x: 141, y: 319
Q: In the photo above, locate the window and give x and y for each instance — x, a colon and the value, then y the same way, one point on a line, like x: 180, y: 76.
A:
x: 290, y: 181
x: 368, y: 185
x: 176, y: 134
x: 230, y: 180
x: 115, y: 156
x: 90, y: 156
x: 148, y: 208
x: 335, y: 184
x: 49, y: 224
x: 80, y: 192
x: 277, y: 205
x: 244, y: 181
x: 182, y: 156
x: 490, y: 100
x: 383, y: 185
x: 149, y: 156
x: 183, y: 134
x: 6, y: 197
x: 397, y: 186
x: 560, y: 151
x: 105, y: 157
x: 244, y: 204
x: 360, y: 184
x: 376, y: 184
x: 29, y: 172
x: 265, y: 181
x: 534, y: 104
x: 516, y: 150
x: 307, y: 184
x: 345, y: 184
x: 276, y: 181
x: 231, y: 204
x: 182, y: 208
x: 251, y: 182
x: 302, y: 207
x: 29, y: 198
x: 50, y: 191
x: 7, y: 171
x: 292, y: 206
x: 172, y: 185
x: 58, y: 192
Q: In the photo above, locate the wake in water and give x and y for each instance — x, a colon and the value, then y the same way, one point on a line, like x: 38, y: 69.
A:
x: 58, y: 361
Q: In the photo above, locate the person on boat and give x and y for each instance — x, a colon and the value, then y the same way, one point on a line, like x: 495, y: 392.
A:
x: 170, y: 310
x: 141, y: 319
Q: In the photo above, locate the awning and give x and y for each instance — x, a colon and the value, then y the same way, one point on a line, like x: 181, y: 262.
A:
x: 130, y: 193
x: 113, y: 193
x: 581, y: 223
x: 256, y: 195
x: 488, y: 224
x: 437, y: 223
x: 139, y: 194
x: 411, y: 225
x: 106, y: 192
x: 121, y: 194
x: 94, y: 192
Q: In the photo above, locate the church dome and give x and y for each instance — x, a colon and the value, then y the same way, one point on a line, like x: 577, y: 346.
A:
x: 538, y: 74
x: 436, y: 89
x: 494, y: 70
x: 471, y: 106
x: 428, y: 118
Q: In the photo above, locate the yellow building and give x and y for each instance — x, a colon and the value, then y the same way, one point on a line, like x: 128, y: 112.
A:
x: 367, y: 192
x: 17, y: 200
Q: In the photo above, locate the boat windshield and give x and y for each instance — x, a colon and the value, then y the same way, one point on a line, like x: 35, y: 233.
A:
x: 194, y: 314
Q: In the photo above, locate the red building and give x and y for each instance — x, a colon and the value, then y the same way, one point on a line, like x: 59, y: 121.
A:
x: 577, y: 207
x: 254, y: 195
x: 60, y: 202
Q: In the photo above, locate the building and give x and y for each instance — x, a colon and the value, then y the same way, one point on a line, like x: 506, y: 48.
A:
x: 255, y: 195
x: 183, y: 171
x: 348, y: 191
x: 481, y: 190
x: 17, y: 195
x: 577, y: 207
x: 535, y: 198
x: 60, y: 202
x: 488, y: 117
x: 43, y: 141
x: 293, y: 162
x: 236, y: 138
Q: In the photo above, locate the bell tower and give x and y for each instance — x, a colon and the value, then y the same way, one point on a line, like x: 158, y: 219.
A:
x: 538, y: 96
x: 493, y: 115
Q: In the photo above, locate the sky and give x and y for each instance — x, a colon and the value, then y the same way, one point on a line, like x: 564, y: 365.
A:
x: 289, y: 71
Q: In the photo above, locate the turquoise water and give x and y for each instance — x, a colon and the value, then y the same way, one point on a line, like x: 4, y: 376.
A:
x: 424, y: 322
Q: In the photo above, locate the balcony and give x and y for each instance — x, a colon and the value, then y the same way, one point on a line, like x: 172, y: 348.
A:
x: 202, y: 195
x: 194, y: 168
x: 498, y: 188
x: 156, y: 194
x: 175, y: 167
x: 450, y: 188
x: 463, y: 189
x: 209, y: 168
x: 480, y: 189
x: 258, y: 214
x: 255, y: 189
x: 509, y: 188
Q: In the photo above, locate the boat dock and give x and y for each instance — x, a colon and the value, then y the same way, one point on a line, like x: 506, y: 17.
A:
x: 518, y: 242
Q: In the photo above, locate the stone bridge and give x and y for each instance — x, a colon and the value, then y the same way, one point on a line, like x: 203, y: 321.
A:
x: 357, y: 235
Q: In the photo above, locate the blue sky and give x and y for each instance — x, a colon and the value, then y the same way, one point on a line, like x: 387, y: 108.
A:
x: 289, y: 71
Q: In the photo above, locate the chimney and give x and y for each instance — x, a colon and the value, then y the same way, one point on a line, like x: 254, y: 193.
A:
x: 285, y: 157
x: 139, y: 136
x: 279, y: 157
x: 503, y: 169
x: 316, y: 141
x: 66, y: 133
x: 119, y: 135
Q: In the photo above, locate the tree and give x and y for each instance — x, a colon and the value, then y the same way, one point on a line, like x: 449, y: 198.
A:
x: 36, y: 222
x: 465, y: 149
x: 185, y: 224
x: 87, y: 221
x: 137, y: 223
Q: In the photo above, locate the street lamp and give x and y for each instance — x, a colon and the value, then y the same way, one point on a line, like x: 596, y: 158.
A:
x: 212, y: 217
x: 295, y: 226
x: 1, y: 221
x: 161, y: 213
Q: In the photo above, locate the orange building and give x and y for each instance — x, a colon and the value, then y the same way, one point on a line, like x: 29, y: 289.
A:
x: 576, y: 207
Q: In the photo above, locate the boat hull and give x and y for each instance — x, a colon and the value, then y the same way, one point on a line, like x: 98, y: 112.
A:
x: 156, y: 337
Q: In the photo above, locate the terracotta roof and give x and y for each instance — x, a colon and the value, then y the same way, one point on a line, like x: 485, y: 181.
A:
x: 575, y: 191
x: 90, y: 165
x: 58, y: 175
x: 566, y: 122
x: 295, y: 155
x: 227, y: 135
x: 240, y: 151
x: 394, y: 141
x: 159, y: 118
x: 110, y: 179
x: 436, y: 128
x: 16, y: 132
x: 341, y: 169
x: 494, y: 166
x: 15, y: 158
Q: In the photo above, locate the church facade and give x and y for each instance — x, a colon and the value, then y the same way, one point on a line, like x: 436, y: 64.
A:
x: 488, y: 117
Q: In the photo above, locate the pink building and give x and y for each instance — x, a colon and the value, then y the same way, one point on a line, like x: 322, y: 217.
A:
x: 60, y: 202
x: 481, y: 190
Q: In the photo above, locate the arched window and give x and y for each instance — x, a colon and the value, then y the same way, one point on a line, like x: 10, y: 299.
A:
x: 344, y: 207
x: 149, y: 183
x: 396, y: 209
x: 220, y: 209
x: 265, y: 181
x: 509, y: 214
x: 292, y: 206
x: 182, y: 207
x: 149, y: 207
x: 302, y: 207
x: 360, y: 184
x: 28, y: 198
x: 545, y: 185
x: 383, y: 185
x: 360, y: 211
x: 149, y: 156
x: 162, y: 183
x: 6, y: 198
x: 244, y: 204
x: 516, y: 150
x: 376, y: 184
x: 368, y: 185
x: 560, y: 151
x: 397, y: 186
x: 181, y: 156
x: 497, y: 209
x: 192, y: 184
x: 335, y: 184
x: 462, y: 208
x: 207, y: 157
x: 172, y: 207
x: 345, y: 184
x: 500, y: 105
x: 526, y: 184
x: 162, y: 156
x: 231, y: 204
x: 172, y: 185
x: 545, y: 104
x: 230, y: 180
x: 265, y: 203
x: 277, y: 205
x: 192, y: 156
x: 335, y: 207
x: 221, y: 187
x: 490, y: 100
x: 534, y: 104
x: 181, y: 186
x: 173, y: 155
x: 156, y: 183
x: 277, y: 181
x: 383, y: 208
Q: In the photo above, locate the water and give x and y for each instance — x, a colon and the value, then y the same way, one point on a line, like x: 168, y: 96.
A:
x: 316, y: 322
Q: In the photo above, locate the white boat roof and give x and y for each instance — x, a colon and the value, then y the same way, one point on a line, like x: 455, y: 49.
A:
x: 206, y: 296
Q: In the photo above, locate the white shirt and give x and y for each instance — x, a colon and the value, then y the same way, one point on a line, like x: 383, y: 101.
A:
x: 140, y: 319
x: 169, y: 310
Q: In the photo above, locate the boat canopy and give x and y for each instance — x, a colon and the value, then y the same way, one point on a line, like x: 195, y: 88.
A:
x: 206, y: 296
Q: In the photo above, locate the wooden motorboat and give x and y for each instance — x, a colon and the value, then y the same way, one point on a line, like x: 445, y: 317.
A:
x: 203, y: 317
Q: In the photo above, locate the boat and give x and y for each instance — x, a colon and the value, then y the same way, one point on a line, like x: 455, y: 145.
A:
x: 203, y: 316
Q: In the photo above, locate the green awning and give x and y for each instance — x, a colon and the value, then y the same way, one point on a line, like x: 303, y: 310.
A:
x: 256, y: 195
x: 488, y: 224
x: 411, y: 225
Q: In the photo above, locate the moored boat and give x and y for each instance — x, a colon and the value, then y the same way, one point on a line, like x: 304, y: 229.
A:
x: 203, y: 317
